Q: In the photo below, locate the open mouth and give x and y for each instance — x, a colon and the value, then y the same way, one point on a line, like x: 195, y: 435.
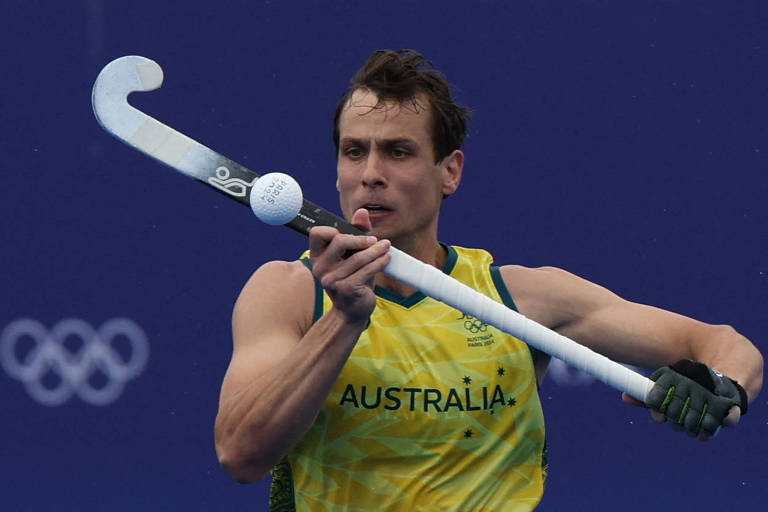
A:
x: 376, y: 208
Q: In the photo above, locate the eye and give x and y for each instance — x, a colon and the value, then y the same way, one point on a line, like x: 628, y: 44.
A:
x: 399, y: 153
x: 353, y: 152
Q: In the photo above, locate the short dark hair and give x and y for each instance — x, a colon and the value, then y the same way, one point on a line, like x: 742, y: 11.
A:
x: 399, y: 76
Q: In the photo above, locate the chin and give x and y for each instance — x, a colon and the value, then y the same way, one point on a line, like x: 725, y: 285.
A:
x: 381, y: 232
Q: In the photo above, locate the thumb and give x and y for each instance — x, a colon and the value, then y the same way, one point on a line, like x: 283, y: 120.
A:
x: 361, y: 219
x: 632, y: 400
x: 734, y: 415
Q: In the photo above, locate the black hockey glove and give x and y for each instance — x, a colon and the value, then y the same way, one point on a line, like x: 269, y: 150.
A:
x: 693, y: 397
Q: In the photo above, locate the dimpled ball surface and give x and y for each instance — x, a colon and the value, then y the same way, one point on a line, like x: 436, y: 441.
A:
x: 276, y: 198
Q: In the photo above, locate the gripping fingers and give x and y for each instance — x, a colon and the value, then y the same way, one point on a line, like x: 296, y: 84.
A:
x: 324, y: 239
x: 683, y: 415
x: 358, y: 267
x: 694, y: 399
x: 329, y: 249
x: 346, y: 265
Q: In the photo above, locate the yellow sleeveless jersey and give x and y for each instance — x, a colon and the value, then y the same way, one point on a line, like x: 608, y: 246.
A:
x: 434, y: 410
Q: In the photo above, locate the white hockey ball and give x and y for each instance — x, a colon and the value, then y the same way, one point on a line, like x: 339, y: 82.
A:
x: 276, y: 198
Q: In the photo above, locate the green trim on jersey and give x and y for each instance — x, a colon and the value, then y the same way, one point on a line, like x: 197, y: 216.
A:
x: 318, y: 292
x: 502, y: 288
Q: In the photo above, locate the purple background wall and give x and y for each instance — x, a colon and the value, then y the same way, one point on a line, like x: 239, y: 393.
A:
x: 623, y: 141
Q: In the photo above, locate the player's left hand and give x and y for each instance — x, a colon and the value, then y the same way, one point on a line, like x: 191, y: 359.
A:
x: 694, y: 399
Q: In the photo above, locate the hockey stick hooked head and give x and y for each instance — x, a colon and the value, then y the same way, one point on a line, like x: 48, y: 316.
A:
x: 115, y: 82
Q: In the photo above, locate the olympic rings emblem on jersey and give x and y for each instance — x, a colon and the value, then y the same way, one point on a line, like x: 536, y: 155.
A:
x: 74, y: 369
x: 474, y: 326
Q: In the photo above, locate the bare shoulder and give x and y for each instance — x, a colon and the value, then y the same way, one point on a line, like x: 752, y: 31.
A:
x: 527, y: 280
x: 280, y: 296
x: 270, y: 316
x: 532, y: 275
x: 552, y: 296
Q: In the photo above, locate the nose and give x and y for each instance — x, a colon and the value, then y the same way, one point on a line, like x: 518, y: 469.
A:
x: 373, y: 171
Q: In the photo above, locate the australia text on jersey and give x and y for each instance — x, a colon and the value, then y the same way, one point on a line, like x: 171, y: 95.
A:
x: 393, y: 398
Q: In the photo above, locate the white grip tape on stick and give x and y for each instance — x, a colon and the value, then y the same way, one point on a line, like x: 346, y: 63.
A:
x: 161, y: 142
x: 437, y: 285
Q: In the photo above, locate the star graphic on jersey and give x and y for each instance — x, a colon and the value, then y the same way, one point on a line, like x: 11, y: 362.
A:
x: 468, y: 433
x: 501, y: 371
x: 467, y: 380
x: 511, y: 402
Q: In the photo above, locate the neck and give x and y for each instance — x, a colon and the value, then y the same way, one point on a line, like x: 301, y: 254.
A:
x: 431, y: 253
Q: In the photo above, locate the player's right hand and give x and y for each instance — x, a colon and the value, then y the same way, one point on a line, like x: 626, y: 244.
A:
x: 346, y: 266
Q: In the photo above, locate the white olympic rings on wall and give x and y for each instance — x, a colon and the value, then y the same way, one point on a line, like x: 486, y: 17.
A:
x: 74, y: 369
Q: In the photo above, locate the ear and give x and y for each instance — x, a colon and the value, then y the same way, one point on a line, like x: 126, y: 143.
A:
x: 451, y: 167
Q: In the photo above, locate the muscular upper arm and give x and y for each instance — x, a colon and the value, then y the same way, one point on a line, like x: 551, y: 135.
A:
x: 272, y: 313
x: 598, y: 318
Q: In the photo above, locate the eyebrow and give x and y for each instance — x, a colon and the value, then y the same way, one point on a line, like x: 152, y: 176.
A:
x: 381, y: 142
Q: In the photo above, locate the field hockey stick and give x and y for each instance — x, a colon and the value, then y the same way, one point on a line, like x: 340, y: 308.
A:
x: 130, y: 74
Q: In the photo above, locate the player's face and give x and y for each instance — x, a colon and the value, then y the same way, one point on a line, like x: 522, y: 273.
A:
x: 386, y: 164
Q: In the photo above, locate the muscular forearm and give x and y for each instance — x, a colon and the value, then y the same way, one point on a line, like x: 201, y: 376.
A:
x: 650, y: 338
x: 258, y: 424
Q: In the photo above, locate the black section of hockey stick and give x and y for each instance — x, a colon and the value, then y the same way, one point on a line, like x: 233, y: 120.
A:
x: 235, y: 181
